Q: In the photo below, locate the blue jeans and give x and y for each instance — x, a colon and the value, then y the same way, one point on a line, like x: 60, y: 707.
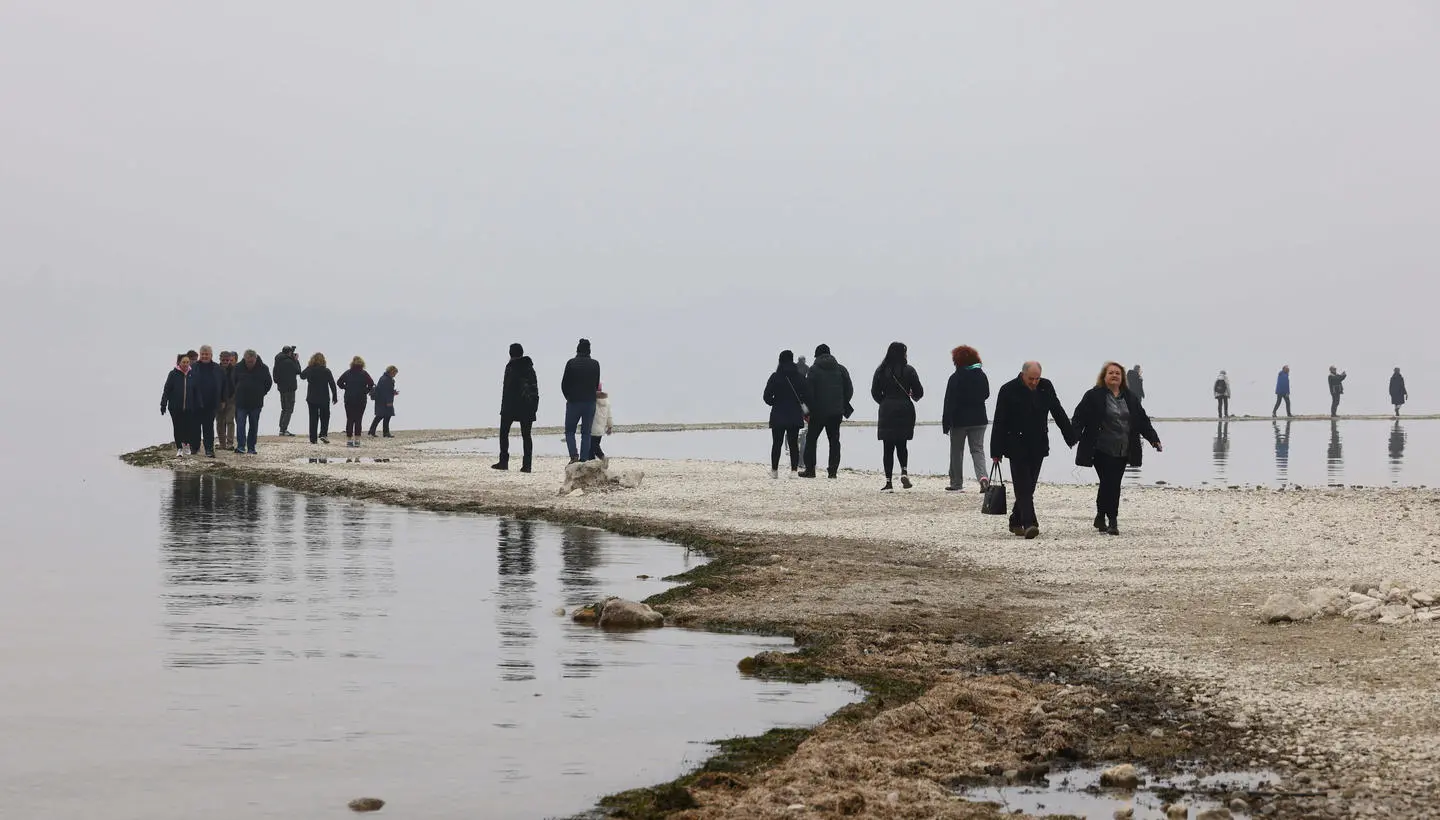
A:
x: 247, y: 423
x: 580, y: 413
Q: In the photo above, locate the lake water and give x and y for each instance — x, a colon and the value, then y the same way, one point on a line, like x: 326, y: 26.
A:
x: 1261, y: 452
x: 182, y: 647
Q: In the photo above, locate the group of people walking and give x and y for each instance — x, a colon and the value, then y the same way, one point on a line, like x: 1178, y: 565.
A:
x: 212, y: 402
x: 1336, y: 382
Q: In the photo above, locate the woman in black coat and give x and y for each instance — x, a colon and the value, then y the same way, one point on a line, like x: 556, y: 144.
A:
x: 356, y: 384
x: 896, y: 387
x: 180, y: 401
x: 384, y: 396
x: 320, y: 394
x: 1109, y: 423
x: 964, y: 419
x: 785, y: 393
x: 1398, y: 393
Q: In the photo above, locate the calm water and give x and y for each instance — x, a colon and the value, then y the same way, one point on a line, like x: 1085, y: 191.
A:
x: 1310, y: 453
x: 186, y: 647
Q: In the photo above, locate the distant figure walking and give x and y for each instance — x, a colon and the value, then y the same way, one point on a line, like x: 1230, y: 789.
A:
x: 1337, y: 389
x: 830, y: 390
x: 786, y: 394
x: 1282, y: 392
x: 356, y: 384
x: 1222, y: 394
x: 178, y: 399
x: 1398, y: 395
x: 384, y: 395
x: 802, y: 367
x: 964, y: 419
x: 1109, y: 423
x: 896, y: 387
x: 1021, y: 433
x: 519, y: 403
x: 225, y: 411
x: 252, y: 384
x: 286, y: 372
x: 1135, y: 382
x: 579, y: 385
x: 320, y: 395
x: 602, y: 425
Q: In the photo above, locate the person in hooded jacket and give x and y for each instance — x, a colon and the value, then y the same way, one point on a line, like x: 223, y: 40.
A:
x: 209, y: 381
x: 252, y: 384
x: 964, y: 419
x: 356, y: 384
x: 785, y: 393
x: 896, y: 387
x: 1398, y: 393
x: 602, y: 425
x: 320, y: 395
x: 384, y: 397
x: 286, y: 372
x: 829, y: 389
x: 1109, y: 423
x: 178, y: 399
x: 519, y: 403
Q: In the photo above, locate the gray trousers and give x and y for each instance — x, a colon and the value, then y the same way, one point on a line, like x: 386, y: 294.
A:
x: 962, y: 438
x: 287, y: 409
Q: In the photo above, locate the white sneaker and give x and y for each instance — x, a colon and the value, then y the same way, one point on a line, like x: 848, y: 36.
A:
x: 179, y: 453
x: 187, y: 449
x: 774, y: 473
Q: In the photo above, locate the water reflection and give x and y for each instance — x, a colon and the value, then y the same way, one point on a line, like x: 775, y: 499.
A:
x: 515, y: 598
x: 1282, y: 452
x: 579, y: 556
x: 1222, y: 449
x: 1397, y: 451
x: 1335, y: 456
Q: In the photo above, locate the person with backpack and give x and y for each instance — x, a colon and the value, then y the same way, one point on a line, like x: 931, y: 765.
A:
x: 896, y: 387
x: 829, y: 390
x: 785, y: 393
x: 1222, y: 394
x: 519, y: 403
x: 1337, y: 389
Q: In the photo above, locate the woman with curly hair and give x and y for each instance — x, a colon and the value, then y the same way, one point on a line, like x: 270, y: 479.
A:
x: 964, y: 419
x: 1109, y: 423
x: 356, y: 384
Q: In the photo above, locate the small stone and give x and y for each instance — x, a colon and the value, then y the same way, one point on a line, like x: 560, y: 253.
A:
x: 1239, y: 805
x: 1157, y: 733
x: 364, y: 804
x: 560, y: 611
x: 1360, y: 598
x: 795, y: 807
x: 618, y: 613
x: 1427, y: 617
x: 1424, y: 599
x: 1123, y: 776
x: 1124, y: 814
x: 1215, y: 814
x: 1099, y: 712
x: 1178, y: 811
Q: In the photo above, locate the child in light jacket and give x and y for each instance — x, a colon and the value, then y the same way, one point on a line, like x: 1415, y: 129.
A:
x: 603, y: 423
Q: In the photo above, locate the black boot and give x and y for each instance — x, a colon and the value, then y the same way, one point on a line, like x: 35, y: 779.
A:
x: 1114, y: 528
x: 1100, y: 521
x: 888, y: 486
x: 502, y: 464
x: 525, y: 465
x: 905, y: 481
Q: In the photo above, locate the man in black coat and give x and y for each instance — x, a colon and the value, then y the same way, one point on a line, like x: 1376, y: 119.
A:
x: 1136, y: 382
x: 252, y: 382
x: 1337, y: 389
x: 1021, y: 433
x: 830, y: 390
x: 210, y: 382
x: 579, y: 385
x: 519, y: 402
x: 286, y: 375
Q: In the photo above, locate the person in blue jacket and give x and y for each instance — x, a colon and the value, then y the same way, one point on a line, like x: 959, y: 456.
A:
x: 1282, y: 392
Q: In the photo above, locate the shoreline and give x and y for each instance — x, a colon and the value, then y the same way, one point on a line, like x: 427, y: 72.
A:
x: 1143, y: 649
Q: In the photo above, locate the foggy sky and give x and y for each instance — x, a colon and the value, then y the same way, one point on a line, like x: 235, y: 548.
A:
x: 696, y: 186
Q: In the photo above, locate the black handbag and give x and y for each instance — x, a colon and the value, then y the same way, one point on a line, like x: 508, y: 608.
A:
x: 994, y: 502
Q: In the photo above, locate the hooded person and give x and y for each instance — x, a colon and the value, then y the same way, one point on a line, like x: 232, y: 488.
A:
x: 602, y: 425
x: 579, y: 384
x: 1398, y: 394
x: 519, y: 403
x: 830, y: 390
x: 1222, y: 394
x: 286, y: 374
x: 785, y: 393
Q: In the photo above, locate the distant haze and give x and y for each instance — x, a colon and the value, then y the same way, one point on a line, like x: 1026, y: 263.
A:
x: 696, y: 186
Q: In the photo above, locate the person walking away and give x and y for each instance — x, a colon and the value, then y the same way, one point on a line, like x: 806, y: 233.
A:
x: 1222, y: 395
x: 802, y: 367
x: 1136, y: 382
x: 1337, y: 389
x: 178, y: 399
x: 252, y: 384
x: 519, y: 402
x: 356, y: 384
x: 601, y: 426
x: 286, y: 372
x: 225, y: 410
x: 799, y: 449
x: 579, y: 384
x: 896, y: 387
x: 1398, y: 395
x: 1109, y: 423
x: 964, y: 419
x: 320, y: 395
x: 1020, y: 433
x: 384, y: 396
x: 829, y: 390
x: 1282, y: 392
x: 785, y: 393
x: 209, y: 381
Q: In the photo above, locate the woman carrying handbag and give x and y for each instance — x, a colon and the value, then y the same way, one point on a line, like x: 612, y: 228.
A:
x: 785, y: 393
x: 896, y: 387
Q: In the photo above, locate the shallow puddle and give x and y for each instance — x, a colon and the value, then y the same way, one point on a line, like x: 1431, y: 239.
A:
x: 338, y: 460
x: 1077, y: 792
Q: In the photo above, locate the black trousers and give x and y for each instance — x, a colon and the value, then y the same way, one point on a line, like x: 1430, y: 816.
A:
x: 779, y: 436
x: 1334, y: 404
x: 893, y: 449
x: 595, y: 451
x: 1111, y: 471
x: 186, y: 432
x: 831, y: 426
x: 1024, y: 475
x: 354, y: 418
x: 205, y: 419
x: 1223, y: 406
x: 319, y: 420
x: 1279, y: 397
x: 377, y: 421
x: 526, y: 443
x: 287, y: 409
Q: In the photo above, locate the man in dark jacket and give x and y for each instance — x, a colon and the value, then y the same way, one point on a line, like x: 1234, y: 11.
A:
x: 519, y: 402
x: 1337, y: 388
x: 1282, y: 392
x: 1135, y: 383
x: 830, y: 391
x: 209, y: 380
x: 1021, y: 433
x: 286, y: 375
x: 252, y: 382
x: 579, y: 385
x: 1398, y: 394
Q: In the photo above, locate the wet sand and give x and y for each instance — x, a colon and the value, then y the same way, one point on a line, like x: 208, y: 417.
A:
x: 985, y: 653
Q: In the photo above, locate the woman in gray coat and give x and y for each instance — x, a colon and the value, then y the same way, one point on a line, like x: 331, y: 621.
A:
x: 896, y: 387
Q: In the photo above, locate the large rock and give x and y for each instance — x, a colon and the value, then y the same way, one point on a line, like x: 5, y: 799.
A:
x: 1123, y: 776
x: 1215, y: 814
x: 596, y: 475
x: 1283, y: 606
x: 1327, y: 600
x: 1424, y: 599
x: 621, y: 614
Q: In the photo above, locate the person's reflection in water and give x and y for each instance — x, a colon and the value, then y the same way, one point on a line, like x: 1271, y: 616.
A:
x: 579, y: 555
x: 1222, y: 449
x: 514, y: 598
x: 1397, y: 451
x: 1282, y: 452
x: 1335, y: 456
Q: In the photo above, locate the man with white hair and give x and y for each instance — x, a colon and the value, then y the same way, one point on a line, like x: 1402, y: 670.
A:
x: 1021, y: 433
x: 209, y: 382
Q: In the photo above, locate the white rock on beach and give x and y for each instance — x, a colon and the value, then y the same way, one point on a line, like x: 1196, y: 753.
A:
x: 1123, y: 776
x: 1326, y: 600
x: 1283, y: 606
x: 621, y: 614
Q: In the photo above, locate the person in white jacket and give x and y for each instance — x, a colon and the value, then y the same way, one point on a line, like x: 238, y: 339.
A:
x: 602, y: 425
